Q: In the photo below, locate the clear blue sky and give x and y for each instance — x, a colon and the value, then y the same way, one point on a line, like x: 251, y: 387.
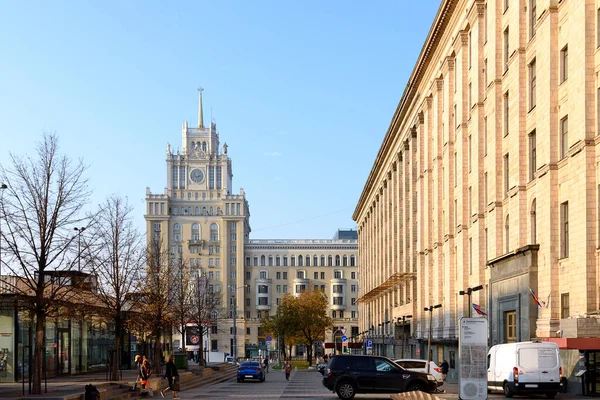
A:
x: 302, y: 92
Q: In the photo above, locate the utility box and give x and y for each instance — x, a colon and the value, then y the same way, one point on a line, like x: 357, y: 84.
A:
x: 181, y: 361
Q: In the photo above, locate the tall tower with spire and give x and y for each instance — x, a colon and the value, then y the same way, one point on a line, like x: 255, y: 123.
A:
x: 202, y: 221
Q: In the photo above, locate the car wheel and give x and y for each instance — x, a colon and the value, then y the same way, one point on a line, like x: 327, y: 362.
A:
x: 507, y: 391
x: 551, y: 395
x: 345, y: 390
x: 414, y: 387
x: 239, y: 380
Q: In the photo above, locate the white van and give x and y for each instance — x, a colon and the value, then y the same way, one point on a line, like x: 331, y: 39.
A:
x: 525, y: 367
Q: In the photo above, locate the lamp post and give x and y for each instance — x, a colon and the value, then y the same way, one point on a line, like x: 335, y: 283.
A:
x: 403, y: 320
x: 468, y: 292
x: 430, y: 309
x: 79, y: 232
x: 2, y: 188
x: 234, y: 349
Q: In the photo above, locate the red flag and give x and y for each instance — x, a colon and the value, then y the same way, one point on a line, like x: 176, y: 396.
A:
x: 479, y: 310
x: 536, y: 299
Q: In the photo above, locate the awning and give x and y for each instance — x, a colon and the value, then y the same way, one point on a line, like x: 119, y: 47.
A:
x: 575, y: 343
x: 390, y: 283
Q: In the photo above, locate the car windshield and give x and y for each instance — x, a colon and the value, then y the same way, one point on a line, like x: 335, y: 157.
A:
x: 249, y: 364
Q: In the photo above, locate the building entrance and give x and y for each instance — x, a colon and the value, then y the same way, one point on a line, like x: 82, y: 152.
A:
x: 64, y: 351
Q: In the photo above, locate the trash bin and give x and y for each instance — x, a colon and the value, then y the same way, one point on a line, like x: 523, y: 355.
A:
x: 180, y: 361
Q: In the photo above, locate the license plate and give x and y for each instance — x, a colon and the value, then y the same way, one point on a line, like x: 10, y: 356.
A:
x: 531, y: 385
x: 248, y: 376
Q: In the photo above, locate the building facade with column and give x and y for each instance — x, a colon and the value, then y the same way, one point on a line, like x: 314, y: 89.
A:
x: 487, y: 176
x: 203, y: 223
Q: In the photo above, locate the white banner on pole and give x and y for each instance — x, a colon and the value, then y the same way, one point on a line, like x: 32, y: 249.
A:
x: 472, y: 353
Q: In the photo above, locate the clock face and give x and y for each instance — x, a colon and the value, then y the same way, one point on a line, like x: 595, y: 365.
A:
x: 197, y: 176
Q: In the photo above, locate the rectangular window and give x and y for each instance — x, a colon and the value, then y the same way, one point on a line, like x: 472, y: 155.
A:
x: 510, y: 326
x: 285, y: 288
x: 470, y: 148
x: 532, y: 85
x: 564, y: 229
x: 353, y: 288
x: 470, y: 51
x: 285, y: 275
x: 564, y: 64
x: 353, y: 313
x: 564, y: 306
x: 455, y: 169
x: 316, y: 275
x: 352, y: 275
x: 263, y: 274
x: 470, y: 95
x: 505, y: 49
x: 455, y: 117
x: 353, y: 301
x: 338, y: 301
x: 278, y: 275
x: 532, y: 155
x: 485, y: 188
x: 219, y: 178
x: 470, y: 256
x: 485, y: 136
x: 470, y: 201
x: 322, y: 288
x: 322, y: 275
x: 564, y: 137
x: 248, y: 275
x: 211, y: 177
x: 506, y: 111
x: 285, y: 261
x: 506, y: 180
x: 278, y: 288
x: 532, y: 17
x: 485, y: 75
x: 486, y: 244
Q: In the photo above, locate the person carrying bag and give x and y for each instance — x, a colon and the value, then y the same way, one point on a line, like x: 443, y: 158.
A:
x: 173, y: 376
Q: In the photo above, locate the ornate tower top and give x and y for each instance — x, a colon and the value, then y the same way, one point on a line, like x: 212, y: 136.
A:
x: 200, y: 114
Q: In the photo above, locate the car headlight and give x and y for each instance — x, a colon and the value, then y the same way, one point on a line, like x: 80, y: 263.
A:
x: 430, y: 377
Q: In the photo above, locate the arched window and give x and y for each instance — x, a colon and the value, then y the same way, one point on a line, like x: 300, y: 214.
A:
x: 345, y: 261
x: 214, y: 232
x: 203, y: 210
x: 352, y: 261
x: 189, y: 211
x: 277, y: 261
x: 307, y: 258
x: 183, y: 211
x: 195, y: 232
x: 533, y: 223
x: 203, y: 146
x: 270, y: 261
x: 210, y: 211
x: 299, y: 261
x: 330, y: 261
x: 175, y: 211
x: 507, y: 234
x: 322, y: 261
x: 197, y: 211
x: 177, y: 233
x: 315, y: 261
x: 293, y: 261
x: 219, y: 212
x: 262, y: 261
x: 337, y: 261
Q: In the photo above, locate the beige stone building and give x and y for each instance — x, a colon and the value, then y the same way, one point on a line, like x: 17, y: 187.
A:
x: 201, y: 221
x: 488, y: 176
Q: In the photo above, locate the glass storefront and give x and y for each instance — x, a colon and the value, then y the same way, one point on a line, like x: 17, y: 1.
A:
x: 7, y: 345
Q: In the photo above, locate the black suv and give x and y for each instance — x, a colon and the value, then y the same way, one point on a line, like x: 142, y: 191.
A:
x: 348, y: 375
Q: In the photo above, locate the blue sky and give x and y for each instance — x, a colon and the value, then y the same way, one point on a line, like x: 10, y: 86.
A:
x: 301, y: 91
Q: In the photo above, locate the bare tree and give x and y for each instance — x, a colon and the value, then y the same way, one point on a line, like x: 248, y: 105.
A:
x: 205, y: 308
x: 43, y: 202
x: 183, y: 293
x: 116, y: 256
x: 158, y: 298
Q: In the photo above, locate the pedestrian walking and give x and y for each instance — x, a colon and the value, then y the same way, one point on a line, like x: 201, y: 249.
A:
x: 172, y: 376
x: 146, y: 372
x: 266, y: 364
x: 287, y: 367
x: 444, y: 366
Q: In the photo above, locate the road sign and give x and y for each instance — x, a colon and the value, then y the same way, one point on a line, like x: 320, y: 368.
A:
x: 344, y: 338
x: 343, y: 331
x: 369, y: 343
x: 269, y: 338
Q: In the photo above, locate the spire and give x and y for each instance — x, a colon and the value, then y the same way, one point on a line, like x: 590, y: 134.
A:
x: 200, y: 116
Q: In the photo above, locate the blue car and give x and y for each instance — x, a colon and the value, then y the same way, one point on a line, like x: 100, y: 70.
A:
x: 250, y: 370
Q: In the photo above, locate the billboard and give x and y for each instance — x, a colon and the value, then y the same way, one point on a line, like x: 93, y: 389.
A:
x: 472, y: 353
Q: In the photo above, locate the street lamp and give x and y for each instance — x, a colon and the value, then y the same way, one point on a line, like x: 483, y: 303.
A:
x: 403, y: 320
x: 2, y: 187
x: 468, y: 292
x: 234, y: 350
x: 79, y: 232
x: 430, y: 309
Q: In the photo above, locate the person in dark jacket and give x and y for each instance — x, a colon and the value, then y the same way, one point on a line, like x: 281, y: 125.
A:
x: 172, y: 375
x: 444, y: 366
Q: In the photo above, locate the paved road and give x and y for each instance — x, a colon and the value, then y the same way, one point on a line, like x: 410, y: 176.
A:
x: 306, y: 385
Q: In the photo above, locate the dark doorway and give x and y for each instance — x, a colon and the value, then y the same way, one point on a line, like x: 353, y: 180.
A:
x: 64, y: 352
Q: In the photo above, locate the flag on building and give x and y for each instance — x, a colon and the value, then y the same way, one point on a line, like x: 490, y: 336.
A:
x: 479, y: 310
x: 537, y: 300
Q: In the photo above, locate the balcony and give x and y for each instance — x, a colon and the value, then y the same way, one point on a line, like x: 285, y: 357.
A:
x: 194, y: 242
x: 263, y: 307
x: 338, y: 307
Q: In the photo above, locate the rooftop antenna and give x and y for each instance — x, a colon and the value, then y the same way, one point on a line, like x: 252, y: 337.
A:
x: 200, y: 116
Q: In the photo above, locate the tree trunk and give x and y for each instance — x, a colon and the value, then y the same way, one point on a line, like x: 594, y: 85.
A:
x: 309, y: 355
x: 201, y: 360
x: 157, y: 352
x: 38, y: 361
x: 116, y: 361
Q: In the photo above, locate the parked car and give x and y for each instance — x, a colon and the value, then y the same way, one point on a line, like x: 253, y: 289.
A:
x: 415, y: 364
x: 525, y: 367
x: 348, y: 375
x: 250, y: 370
